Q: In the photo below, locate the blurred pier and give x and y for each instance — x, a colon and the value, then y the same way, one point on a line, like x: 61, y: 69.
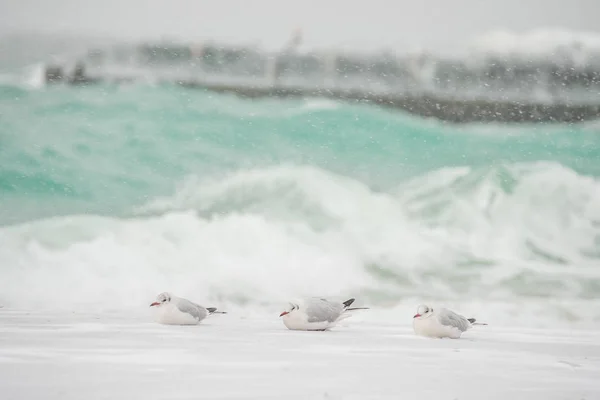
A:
x: 562, y: 88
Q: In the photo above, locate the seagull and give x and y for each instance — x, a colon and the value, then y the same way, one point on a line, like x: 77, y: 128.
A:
x: 441, y: 323
x: 174, y: 310
x: 317, y: 314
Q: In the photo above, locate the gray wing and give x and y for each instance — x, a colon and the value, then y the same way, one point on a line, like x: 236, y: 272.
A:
x: 321, y: 310
x: 193, y: 309
x: 450, y: 318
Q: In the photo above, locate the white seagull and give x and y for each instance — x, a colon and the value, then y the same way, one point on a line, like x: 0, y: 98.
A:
x: 441, y: 323
x: 173, y: 310
x: 317, y: 314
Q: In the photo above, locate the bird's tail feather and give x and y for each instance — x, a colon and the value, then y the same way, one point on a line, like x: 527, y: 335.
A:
x: 357, y: 308
x: 472, y: 321
x: 213, y: 310
x: 348, y: 303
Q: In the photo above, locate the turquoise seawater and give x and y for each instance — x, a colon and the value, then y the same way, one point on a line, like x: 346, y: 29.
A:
x: 237, y: 199
x: 108, y: 149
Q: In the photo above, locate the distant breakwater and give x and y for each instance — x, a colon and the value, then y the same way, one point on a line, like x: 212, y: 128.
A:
x: 492, y: 90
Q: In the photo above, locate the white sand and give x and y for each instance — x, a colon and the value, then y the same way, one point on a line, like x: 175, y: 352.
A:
x: 370, y: 356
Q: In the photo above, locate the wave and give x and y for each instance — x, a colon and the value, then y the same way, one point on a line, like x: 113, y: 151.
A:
x: 513, y: 233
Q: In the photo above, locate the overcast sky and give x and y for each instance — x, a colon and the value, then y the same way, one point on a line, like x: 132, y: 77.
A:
x: 432, y: 24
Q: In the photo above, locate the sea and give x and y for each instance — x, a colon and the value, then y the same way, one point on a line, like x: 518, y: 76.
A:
x: 113, y: 193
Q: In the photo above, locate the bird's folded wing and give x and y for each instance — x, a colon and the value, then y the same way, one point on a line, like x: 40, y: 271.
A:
x: 322, y: 310
x: 194, y: 310
x: 450, y: 318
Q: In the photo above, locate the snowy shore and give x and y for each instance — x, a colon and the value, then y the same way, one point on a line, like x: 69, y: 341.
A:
x: 369, y: 356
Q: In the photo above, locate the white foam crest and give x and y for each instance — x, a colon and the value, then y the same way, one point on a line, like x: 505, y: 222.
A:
x: 251, y: 189
x: 542, y: 210
x: 373, y: 222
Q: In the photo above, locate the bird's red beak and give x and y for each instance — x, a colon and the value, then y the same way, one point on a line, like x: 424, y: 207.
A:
x: 283, y: 313
x: 417, y: 315
x: 154, y: 304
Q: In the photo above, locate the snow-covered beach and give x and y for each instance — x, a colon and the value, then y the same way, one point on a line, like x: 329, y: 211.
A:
x: 373, y: 355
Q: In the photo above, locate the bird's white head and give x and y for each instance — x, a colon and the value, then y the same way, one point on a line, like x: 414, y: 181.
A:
x: 423, y: 311
x: 291, y: 309
x: 161, y: 299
